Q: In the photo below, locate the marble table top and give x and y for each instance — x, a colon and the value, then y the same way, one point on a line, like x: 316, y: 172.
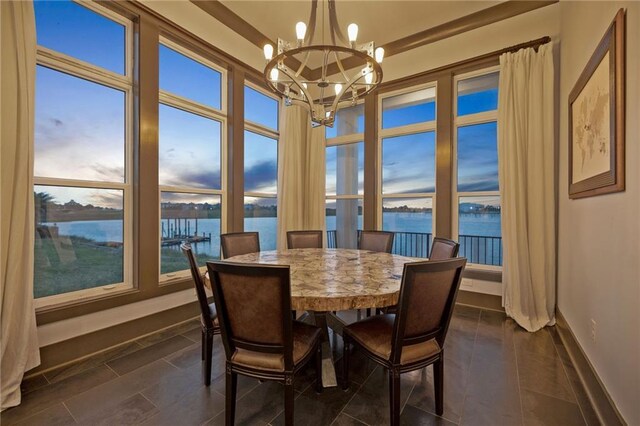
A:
x: 337, y: 279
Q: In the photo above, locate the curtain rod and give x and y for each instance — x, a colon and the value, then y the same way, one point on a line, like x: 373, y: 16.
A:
x: 466, y: 62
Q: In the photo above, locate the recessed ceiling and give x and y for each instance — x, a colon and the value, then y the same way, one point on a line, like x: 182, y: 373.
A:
x: 379, y: 21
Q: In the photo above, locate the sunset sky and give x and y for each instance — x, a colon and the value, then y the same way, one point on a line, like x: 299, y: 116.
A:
x: 80, y: 126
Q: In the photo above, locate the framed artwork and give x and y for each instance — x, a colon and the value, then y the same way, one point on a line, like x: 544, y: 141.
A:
x: 596, y: 118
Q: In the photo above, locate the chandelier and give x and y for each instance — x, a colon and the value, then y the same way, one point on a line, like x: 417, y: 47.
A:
x: 334, y: 84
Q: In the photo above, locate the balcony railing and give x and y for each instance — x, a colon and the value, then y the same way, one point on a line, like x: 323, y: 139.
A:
x: 476, y: 248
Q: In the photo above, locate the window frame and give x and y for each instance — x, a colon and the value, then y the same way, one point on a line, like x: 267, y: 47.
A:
x: 410, y: 129
x: 193, y: 107
x: 268, y: 132
x: 78, y: 68
x: 483, y: 117
x: 349, y: 139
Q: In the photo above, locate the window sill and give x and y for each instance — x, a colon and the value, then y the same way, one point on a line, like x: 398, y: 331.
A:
x: 483, y: 274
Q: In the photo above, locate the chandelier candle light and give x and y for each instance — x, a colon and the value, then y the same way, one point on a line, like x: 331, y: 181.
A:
x: 325, y: 95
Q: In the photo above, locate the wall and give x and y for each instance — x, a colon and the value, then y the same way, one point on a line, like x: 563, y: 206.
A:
x: 599, y: 237
x: 518, y: 29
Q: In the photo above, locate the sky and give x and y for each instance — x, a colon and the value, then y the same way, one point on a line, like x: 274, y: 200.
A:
x: 82, y: 124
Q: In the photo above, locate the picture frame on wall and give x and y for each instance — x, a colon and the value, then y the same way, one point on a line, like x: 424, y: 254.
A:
x: 597, y: 119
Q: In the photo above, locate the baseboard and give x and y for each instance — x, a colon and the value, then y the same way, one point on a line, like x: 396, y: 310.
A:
x: 600, y: 399
x: 480, y: 300
x: 74, y: 349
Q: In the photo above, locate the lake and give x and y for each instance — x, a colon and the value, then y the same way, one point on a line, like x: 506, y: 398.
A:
x: 111, y: 230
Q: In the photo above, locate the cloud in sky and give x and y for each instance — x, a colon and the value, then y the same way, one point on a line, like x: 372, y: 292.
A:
x: 261, y: 177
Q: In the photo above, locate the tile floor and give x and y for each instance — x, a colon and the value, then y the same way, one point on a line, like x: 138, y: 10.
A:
x: 495, y: 374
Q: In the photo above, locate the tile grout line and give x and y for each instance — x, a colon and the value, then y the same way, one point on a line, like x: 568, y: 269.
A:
x: 114, y: 371
x: 64, y: 404
x: 564, y: 369
x: 515, y: 353
x: 473, y: 351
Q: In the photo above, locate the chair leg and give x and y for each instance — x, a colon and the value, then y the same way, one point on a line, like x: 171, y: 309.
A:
x: 368, y: 312
x: 230, y: 396
x: 438, y: 384
x: 288, y: 401
x: 208, y: 355
x: 394, y: 397
x: 319, y: 368
x: 294, y: 315
x: 345, y: 361
x: 203, y: 343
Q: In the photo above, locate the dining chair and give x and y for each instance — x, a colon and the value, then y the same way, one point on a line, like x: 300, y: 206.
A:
x: 260, y: 338
x: 304, y: 239
x: 238, y: 243
x: 208, y: 317
x: 381, y: 241
x: 443, y: 248
x: 414, y: 337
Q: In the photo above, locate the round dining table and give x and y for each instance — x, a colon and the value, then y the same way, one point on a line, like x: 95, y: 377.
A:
x: 328, y: 280
x: 337, y: 279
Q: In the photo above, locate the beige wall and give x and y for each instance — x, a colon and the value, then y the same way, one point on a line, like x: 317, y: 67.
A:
x: 599, y: 237
x: 519, y: 29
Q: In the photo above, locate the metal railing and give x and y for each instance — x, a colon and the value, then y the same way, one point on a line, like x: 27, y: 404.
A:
x: 476, y: 248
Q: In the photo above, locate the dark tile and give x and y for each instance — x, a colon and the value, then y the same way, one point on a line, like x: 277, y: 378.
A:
x: 544, y: 375
x: 496, y: 325
x: 360, y: 367
x: 173, y: 388
x: 93, y: 361
x: 538, y: 343
x: 115, y: 391
x: 466, y: 311
x: 455, y: 386
x: 345, y: 420
x: 245, y: 384
x: 485, y: 413
x: 33, y: 383
x: 57, y: 415
x: 465, y: 321
x: 543, y: 410
x: 167, y: 333
x: 187, y: 357
x: 131, y: 411
x: 50, y: 395
x: 194, y: 334
x: 494, y: 350
x: 415, y: 416
x: 148, y: 354
x: 194, y: 409
x: 312, y: 408
x: 257, y: 407
x: 589, y: 414
x: 492, y: 393
x: 371, y: 403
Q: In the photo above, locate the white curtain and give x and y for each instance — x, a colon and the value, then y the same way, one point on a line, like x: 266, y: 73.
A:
x: 17, y: 316
x: 526, y: 168
x: 301, y: 174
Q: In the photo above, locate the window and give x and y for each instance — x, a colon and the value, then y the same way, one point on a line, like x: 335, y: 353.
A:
x: 82, y: 153
x: 261, y: 165
x: 476, y: 192
x: 407, y: 141
x: 192, y: 123
x: 345, y: 177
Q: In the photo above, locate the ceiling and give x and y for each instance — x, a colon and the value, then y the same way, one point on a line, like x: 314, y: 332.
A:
x: 381, y: 21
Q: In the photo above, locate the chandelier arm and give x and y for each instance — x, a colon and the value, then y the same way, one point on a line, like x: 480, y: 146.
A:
x: 303, y: 64
x: 357, y: 76
x: 311, y: 27
x: 286, y: 71
x: 339, y: 62
x: 333, y: 17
